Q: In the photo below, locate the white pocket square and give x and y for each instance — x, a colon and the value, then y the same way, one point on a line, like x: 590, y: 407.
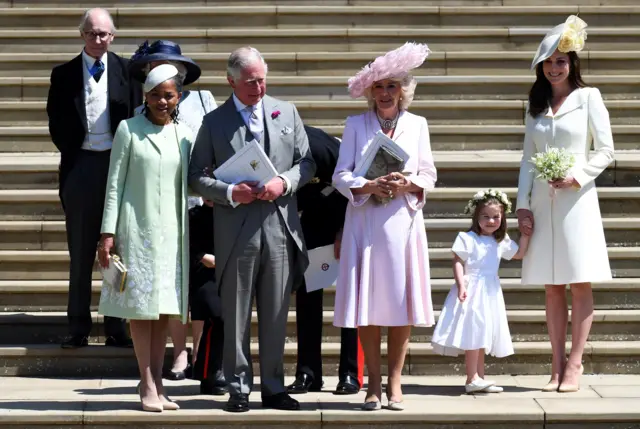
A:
x: 285, y: 131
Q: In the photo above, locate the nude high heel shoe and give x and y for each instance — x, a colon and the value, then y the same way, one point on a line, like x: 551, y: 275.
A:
x: 153, y: 408
x: 571, y: 388
x: 551, y: 387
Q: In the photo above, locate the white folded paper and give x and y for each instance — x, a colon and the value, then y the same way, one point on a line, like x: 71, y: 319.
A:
x: 379, y: 140
x: 249, y: 164
x: 322, y: 271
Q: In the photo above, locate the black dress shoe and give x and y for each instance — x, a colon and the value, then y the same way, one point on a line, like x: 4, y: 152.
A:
x: 215, y: 388
x: 179, y: 375
x: 237, y: 403
x: 119, y: 341
x: 75, y: 342
x: 304, y: 383
x: 280, y: 401
x: 347, y: 386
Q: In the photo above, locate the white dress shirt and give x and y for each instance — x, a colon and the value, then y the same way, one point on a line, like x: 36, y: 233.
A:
x: 244, y: 112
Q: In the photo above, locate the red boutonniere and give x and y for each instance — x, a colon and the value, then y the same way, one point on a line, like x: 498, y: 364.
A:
x: 275, y: 114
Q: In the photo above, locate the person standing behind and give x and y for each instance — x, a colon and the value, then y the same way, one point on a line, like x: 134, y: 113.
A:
x: 258, y: 239
x: 204, y: 297
x: 192, y: 107
x: 88, y: 98
x: 322, y: 217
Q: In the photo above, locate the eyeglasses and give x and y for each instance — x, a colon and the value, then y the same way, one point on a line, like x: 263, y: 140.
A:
x: 93, y: 35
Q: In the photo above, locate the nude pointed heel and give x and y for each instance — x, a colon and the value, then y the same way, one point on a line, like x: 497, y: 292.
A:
x: 571, y: 388
x: 153, y: 408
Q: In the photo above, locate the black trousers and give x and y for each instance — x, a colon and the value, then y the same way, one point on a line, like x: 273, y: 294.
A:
x: 205, y: 305
x: 208, y: 366
x: 83, y: 201
x: 309, y: 328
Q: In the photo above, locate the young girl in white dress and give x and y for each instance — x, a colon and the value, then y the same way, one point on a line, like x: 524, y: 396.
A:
x: 474, y: 318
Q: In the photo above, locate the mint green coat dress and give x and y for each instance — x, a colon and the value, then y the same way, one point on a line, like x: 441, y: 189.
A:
x: 146, y: 210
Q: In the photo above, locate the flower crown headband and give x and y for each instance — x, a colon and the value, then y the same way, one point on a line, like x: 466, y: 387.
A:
x: 484, y: 196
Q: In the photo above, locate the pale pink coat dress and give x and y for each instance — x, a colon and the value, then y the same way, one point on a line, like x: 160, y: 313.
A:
x: 384, y: 262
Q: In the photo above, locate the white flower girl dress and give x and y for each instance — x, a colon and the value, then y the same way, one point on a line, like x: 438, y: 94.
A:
x: 480, y: 322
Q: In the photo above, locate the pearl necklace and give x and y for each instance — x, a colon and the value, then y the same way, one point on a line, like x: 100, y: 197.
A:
x: 388, y: 124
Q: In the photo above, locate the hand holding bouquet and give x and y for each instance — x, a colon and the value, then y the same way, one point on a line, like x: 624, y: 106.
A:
x: 553, y: 165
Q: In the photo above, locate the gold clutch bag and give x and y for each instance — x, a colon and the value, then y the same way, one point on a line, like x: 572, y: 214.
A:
x: 116, y: 274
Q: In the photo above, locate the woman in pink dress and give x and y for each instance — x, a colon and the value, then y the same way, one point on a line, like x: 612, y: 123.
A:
x: 384, y: 262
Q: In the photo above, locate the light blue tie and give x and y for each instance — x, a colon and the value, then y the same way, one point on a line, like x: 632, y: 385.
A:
x: 254, y: 123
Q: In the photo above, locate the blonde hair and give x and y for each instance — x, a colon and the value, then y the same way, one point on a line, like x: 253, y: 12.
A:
x: 407, y: 91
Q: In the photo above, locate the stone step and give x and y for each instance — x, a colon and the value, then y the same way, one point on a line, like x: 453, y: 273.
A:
x: 51, y: 235
x: 311, y: 16
x: 524, y: 325
x: 33, y: 139
x: 610, y: 357
x: 51, y: 295
x: 334, y: 88
x: 604, y: 401
x: 446, y: 202
x: 455, y: 169
x: 54, y: 264
x: 320, y: 113
x: 332, y: 39
x: 337, y: 64
x: 44, y: 204
x: 370, y: 3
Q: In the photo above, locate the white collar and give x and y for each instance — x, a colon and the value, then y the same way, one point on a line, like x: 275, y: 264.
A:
x: 89, y: 60
x: 240, y: 106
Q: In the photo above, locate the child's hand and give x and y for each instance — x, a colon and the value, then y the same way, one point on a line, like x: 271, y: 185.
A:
x: 208, y: 261
x: 527, y: 224
x: 462, y: 293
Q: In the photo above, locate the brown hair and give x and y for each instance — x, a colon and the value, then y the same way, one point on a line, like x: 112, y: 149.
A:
x: 499, y: 233
x: 540, y: 93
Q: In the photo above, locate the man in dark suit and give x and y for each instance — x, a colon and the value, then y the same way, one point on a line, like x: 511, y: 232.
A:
x: 88, y: 98
x: 323, y: 210
x: 204, y: 298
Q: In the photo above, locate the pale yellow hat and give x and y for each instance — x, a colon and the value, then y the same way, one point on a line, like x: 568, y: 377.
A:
x: 567, y: 37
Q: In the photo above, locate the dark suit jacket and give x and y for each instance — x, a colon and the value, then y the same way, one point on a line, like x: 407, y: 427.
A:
x: 322, y: 215
x: 200, y: 243
x: 66, y: 109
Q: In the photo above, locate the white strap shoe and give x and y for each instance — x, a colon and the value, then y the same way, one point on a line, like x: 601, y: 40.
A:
x: 493, y: 389
x: 478, y: 385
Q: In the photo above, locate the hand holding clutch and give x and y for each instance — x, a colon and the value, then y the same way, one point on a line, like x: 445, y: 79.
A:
x: 104, y: 250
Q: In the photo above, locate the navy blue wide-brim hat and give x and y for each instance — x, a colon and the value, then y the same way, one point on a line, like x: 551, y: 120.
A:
x: 161, y: 50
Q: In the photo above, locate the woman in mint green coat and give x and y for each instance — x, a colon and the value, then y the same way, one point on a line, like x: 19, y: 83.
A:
x: 145, y: 223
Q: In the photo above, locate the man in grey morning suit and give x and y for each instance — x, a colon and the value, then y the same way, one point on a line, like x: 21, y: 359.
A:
x: 258, y: 238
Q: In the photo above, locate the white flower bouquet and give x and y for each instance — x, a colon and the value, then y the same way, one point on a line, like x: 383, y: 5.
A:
x: 552, y: 164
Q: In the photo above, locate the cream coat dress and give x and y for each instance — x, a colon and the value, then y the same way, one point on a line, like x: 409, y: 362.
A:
x: 568, y: 243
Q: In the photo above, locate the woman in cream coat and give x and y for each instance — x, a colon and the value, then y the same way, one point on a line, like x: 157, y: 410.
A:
x: 568, y: 244
x: 145, y: 222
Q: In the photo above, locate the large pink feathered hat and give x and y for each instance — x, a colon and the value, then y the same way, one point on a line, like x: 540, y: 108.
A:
x: 396, y: 63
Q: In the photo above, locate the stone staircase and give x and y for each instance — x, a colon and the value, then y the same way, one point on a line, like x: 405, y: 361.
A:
x: 472, y: 89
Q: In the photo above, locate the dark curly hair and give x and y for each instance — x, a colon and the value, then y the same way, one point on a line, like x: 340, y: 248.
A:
x: 540, y: 93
